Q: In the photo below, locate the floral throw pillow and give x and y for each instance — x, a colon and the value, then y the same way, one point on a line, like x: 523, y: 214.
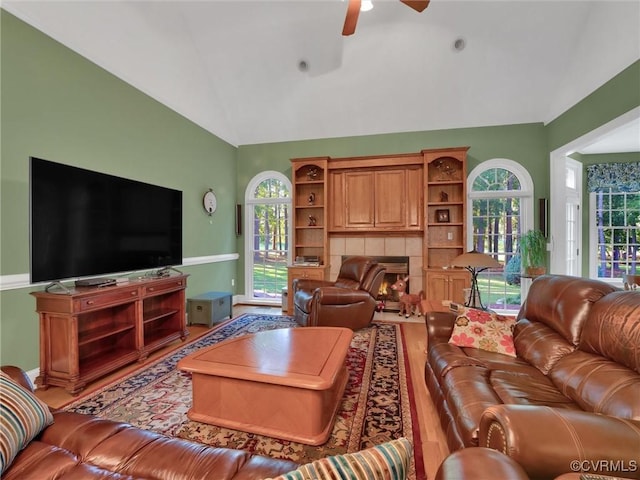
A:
x: 484, y: 330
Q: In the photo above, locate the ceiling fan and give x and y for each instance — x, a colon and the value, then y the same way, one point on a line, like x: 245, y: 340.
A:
x: 353, y: 10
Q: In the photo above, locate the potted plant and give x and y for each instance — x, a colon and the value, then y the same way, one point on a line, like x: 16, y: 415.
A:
x: 533, y: 251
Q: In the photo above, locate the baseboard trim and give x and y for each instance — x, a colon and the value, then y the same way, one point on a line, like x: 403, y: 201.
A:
x: 21, y: 280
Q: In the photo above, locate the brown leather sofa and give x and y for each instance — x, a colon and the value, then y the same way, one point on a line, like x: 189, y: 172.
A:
x: 83, y: 446
x: 348, y: 302
x: 571, y: 394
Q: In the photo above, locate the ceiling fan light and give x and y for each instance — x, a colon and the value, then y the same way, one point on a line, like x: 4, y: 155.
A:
x: 366, y: 5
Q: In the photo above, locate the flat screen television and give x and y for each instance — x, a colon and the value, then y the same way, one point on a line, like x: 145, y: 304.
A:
x: 86, y: 224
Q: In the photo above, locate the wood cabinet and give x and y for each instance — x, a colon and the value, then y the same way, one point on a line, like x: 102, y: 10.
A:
x: 445, y: 178
x: 445, y: 285
x: 378, y: 199
x: 93, y: 331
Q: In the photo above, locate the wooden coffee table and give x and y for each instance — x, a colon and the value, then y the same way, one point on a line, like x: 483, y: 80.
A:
x: 284, y: 383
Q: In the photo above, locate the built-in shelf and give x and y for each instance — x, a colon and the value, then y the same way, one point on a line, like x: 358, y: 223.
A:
x: 445, y: 235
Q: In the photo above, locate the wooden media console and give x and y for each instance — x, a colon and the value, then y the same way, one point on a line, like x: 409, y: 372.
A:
x: 91, y: 331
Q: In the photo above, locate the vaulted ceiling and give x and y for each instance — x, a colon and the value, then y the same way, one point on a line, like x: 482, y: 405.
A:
x: 234, y: 67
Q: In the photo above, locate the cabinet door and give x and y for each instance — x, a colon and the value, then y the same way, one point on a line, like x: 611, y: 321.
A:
x: 458, y: 282
x: 336, y: 204
x: 446, y: 285
x: 390, y: 198
x: 437, y: 286
x: 414, y: 198
x: 359, y: 198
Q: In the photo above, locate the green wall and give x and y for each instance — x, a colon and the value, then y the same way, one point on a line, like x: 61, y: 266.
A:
x: 59, y: 106
x: 617, y: 96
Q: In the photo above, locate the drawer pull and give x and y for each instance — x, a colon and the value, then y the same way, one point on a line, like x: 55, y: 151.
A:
x: 133, y: 294
x: 151, y: 289
x: 90, y: 302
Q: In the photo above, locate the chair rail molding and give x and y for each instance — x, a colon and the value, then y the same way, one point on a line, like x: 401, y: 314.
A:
x: 21, y: 280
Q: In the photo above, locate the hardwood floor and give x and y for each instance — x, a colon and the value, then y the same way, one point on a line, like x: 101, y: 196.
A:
x: 434, y: 445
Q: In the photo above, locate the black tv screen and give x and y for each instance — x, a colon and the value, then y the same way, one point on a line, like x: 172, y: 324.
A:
x: 85, y: 223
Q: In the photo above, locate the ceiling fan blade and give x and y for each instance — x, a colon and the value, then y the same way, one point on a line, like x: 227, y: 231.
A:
x: 353, y: 10
x: 417, y: 5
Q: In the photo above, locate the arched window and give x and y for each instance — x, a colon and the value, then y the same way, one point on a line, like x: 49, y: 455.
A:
x: 267, y: 227
x: 500, y: 209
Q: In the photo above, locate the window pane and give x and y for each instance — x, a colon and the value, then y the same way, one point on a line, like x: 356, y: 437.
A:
x: 496, y: 227
x: 271, y: 243
x: 496, y: 179
x: 617, y: 222
x: 270, y: 239
x: 271, y: 188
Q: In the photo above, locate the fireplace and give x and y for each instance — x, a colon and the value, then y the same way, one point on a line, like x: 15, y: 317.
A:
x: 395, y: 266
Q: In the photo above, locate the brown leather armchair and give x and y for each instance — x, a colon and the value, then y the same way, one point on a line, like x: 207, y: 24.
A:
x: 349, y: 302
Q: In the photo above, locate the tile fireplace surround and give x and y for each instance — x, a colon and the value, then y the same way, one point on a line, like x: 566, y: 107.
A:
x: 378, y: 247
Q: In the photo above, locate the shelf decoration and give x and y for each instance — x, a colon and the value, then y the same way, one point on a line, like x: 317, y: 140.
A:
x: 446, y: 167
x: 442, y: 216
x: 312, y: 198
x: 312, y: 173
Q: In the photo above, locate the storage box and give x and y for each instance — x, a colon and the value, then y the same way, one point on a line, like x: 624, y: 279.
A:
x: 209, y: 308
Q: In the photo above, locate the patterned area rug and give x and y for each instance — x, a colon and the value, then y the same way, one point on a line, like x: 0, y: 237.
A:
x: 376, y: 406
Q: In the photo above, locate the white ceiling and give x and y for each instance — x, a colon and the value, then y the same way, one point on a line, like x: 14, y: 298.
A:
x: 232, y: 66
x: 619, y: 140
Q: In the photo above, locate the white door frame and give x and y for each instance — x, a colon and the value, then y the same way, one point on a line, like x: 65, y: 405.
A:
x: 557, y: 169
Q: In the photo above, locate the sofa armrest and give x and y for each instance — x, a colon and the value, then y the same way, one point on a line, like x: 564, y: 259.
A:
x: 341, y: 296
x: 309, y: 285
x: 477, y: 463
x: 19, y: 376
x: 439, y: 325
x: 548, y: 442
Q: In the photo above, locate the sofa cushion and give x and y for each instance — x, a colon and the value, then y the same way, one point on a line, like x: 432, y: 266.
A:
x: 484, y: 330
x: 22, y: 417
x: 530, y: 388
x: 598, y: 384
x: 387, y: 461
x: 497, y: 361
x: 613, y: 329
x: 563, y: 303
x: 540, y: 345
x: 443, y: 357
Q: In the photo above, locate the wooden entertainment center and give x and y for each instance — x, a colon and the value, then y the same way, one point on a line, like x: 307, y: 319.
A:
x: 421, y: 194
x: 91, y: 332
